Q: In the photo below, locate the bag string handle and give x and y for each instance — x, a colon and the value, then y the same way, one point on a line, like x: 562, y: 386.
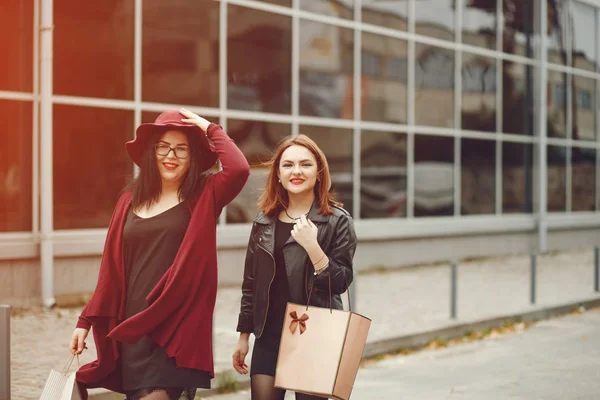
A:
x: 330, y: 294
x: 67, y: 366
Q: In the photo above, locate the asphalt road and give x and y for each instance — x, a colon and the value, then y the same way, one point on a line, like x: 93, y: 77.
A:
x: 554, y: 359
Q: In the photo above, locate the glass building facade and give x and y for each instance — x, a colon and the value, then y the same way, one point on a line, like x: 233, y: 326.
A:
x: 443, y: 110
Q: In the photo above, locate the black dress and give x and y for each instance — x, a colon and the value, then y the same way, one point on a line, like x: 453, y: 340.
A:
x: 266, y: 348
x: 150, y: 246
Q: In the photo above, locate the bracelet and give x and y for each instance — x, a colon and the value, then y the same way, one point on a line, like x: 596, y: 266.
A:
x: 318, y: 271
x: 316, y: 265
x: 320, y: 259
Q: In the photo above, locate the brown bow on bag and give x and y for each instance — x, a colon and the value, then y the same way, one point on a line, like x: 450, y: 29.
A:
x: 296, y: 321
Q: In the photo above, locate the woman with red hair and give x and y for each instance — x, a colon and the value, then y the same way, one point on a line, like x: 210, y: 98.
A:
x: 302, y: 242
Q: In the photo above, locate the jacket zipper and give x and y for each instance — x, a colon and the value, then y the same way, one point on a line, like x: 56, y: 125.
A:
x: 268, y: 290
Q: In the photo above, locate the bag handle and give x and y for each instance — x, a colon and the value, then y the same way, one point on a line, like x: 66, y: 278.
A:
x: 330, y: 294
x: 67, y: 366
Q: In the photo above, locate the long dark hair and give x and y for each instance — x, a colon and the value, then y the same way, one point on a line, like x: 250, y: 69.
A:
x: 147, y: 186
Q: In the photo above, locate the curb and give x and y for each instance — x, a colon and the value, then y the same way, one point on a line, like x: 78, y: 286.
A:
x: 411, y: 341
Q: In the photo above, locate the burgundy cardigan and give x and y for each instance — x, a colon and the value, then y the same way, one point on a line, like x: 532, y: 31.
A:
x: 180, y: 308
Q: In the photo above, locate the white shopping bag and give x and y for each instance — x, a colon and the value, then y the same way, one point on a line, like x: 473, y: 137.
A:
x: 62, y: 385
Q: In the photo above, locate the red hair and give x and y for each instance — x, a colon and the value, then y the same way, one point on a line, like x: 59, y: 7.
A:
x: 275, y: 197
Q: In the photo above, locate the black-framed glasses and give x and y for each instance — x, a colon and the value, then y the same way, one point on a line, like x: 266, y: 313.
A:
x: 163, y: 149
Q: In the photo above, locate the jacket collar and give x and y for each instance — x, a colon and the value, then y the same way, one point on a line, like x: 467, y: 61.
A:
x: 313, y: 215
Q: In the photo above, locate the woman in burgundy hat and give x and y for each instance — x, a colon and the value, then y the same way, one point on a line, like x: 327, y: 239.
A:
x: 152, y: 309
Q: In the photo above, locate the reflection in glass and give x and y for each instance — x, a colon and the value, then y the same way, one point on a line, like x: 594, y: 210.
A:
x: 180, y: 56
x: 434, y: 176
x: 326, y: 68
x: 558, y: 29
x: 16, y: 23
x: 517, y: 177
x: 383, y: 175
x: 480, y: 23
x: 556, y: 104
x: 389, y: 14
x: 91, y: 169
x: 259, y: 57
x: 517, y: 98
x: 434, y: 86
x: 336, y: 143
x: 258, y: 141
x: 478, y: 176
x: 93, y: 48
x: 435, y: 18
x: 15, y: 166
x: 519, y: 29
x: 478, y: 93
x: 584, y: 107
x: 584, y: 36
x: 286, y: 3
x: 149, y: 116
x: 338, y: 8
x: 557, y: 178
x: 583, y: 179
x: 384, y: 78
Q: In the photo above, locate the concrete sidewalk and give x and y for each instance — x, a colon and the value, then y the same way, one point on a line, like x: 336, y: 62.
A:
x: 553, y: 359
x: 399, y: 302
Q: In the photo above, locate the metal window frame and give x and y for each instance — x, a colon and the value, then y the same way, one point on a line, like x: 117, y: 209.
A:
x: 59, y: 242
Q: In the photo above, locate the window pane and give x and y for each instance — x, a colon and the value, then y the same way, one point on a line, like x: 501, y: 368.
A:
x: 258, y: 141
x: 584, y: 40
x: 336, y: 143
x: 180, y: 52
x: 16, y: 23
x: 434, y: 176
x: 558, y: 24
x: 556, y: 104
x: 435, y: 18
x: 478, y: 176
x: 390, y: 14
x: 326, y: 68
x: 517, y: 177
x: 91, y: 166
x: 93, y: 48
x: 583, y: 179
x: 434, y: 86
x: 517, y: 100
x: 584, y: 108
x: 479, y: 23
x: 259, y: 59
x: 339, y: 9
x: 383, y: 175
x: 519, y: 31
x: 15, y: 166
x: 557, y: 174
x: 478, y: 93
x: 286, y: 3
x: 385, y: 75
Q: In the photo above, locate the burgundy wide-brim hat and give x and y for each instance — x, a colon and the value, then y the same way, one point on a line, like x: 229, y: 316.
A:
x: 166, y: 121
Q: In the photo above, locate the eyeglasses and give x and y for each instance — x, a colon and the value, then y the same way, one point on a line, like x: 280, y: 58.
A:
x: 164, y: 150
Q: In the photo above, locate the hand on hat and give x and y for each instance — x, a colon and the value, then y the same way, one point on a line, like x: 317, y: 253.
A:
x: 195, y: 119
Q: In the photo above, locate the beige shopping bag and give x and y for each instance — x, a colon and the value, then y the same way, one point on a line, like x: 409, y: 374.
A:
x: 62, y: 385
x: 320, y: 350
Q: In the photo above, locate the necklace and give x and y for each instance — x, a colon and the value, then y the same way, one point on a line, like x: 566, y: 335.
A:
x: 292, y: 218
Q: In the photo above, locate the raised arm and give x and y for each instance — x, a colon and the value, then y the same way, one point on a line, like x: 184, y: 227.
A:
x: 231, y: 179
x: 228, y: 183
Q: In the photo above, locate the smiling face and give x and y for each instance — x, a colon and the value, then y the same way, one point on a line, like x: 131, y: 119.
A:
x: 173, y: 164
x: 298, y: 170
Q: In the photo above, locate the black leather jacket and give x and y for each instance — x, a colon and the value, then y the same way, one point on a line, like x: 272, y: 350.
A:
x: 337, y: 239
